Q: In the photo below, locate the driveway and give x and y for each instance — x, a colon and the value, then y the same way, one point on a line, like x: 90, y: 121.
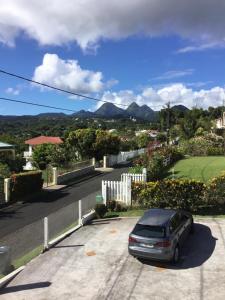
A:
x: 93, y: 263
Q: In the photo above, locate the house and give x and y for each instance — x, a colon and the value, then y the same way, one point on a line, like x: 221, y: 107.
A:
x: 220, y: 123
x: 7, y: 148
x: 32, y: 143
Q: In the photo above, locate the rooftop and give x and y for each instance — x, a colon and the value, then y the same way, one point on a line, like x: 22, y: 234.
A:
x: 44, y: 140
x: 6, y: 146
x: 156, y: 216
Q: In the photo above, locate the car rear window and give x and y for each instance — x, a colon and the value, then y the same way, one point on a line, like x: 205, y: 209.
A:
x: 149, y: 231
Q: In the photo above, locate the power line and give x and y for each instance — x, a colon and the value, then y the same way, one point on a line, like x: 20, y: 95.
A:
x: 55, y: 88
x: 36, y: 104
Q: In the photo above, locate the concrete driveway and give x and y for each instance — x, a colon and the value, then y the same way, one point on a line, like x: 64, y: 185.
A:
x: 93, y: 263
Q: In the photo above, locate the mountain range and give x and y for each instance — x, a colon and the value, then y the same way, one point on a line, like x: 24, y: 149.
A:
x: 109, y: 110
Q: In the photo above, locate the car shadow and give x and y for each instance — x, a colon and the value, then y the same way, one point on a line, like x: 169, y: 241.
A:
x: 196, y: 250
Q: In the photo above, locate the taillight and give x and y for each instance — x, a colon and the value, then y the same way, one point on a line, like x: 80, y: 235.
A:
x: 163, y: 244
x: 132, y: 240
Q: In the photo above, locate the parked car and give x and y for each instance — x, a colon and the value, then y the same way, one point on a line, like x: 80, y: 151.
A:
x: 160, y: 234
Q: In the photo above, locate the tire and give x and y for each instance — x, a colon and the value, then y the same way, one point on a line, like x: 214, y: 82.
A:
x: 176, y: 255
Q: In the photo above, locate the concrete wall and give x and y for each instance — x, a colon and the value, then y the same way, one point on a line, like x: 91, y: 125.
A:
x: 71, y: 175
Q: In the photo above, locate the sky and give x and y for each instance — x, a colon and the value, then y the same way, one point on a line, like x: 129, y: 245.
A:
x: 147, y: 51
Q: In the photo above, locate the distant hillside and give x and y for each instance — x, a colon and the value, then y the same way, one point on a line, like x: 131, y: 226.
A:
x: 109, y: 110
x: 180, y: 108
x: 141, y: 112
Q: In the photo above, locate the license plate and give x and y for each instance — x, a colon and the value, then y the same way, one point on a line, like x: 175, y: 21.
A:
x: 146, y: 245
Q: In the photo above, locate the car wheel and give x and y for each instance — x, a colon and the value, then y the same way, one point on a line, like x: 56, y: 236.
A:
x: 176, y: 255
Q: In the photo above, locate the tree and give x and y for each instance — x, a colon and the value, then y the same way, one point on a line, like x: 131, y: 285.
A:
x: 42, y: 155
x: 82, y: 141
x: 143, y: 140
x: 106, y: 143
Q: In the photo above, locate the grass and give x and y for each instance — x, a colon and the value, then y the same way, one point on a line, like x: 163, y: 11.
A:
x: 206, y: 213
x: 199, y: 168
x: 27, y: 257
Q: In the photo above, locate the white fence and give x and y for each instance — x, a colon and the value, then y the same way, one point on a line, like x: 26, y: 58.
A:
x: 135, y: 177
x: 113, y: 160
x: 117, y: 190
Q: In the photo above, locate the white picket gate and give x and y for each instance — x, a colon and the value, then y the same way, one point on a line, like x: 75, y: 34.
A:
x: 117, y: 190
x: 135, y: 177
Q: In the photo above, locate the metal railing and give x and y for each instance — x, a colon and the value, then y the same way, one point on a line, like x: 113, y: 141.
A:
x: 74, y: 166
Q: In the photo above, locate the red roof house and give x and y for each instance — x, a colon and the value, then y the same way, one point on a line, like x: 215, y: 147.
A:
x: 44, y: 140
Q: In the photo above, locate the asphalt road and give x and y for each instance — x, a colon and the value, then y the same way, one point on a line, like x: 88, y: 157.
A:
x: 93, y: 263
x: 18, y: 216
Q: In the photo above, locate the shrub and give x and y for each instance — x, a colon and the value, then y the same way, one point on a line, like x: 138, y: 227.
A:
x: 111, y: 205
x: 216, y: 190
x: 120, y: 207
x: 136, y: 170
x: 4, y: 170
x: 24, y: 184
x: 100, y: 210
x: 180, y: 194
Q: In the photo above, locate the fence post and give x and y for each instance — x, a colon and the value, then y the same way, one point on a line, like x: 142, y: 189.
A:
x: 105, y: 161
x: 55, y: 176
x: 7, y: 189
x: 93, y: 161
x: 79, y: 212
x: 144, y: 172
x: 46, y: 233
x: 104, y: 192
x: 128, y: 190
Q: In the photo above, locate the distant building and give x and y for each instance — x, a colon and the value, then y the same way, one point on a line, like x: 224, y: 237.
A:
x: 7, y: 148
x: 40, y: 140
x: 220, y: 123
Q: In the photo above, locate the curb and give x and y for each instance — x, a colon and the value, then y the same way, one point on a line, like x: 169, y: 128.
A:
x: 10, y: 276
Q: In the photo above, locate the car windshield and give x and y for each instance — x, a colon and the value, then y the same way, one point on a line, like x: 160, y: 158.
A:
x: 149, y: 231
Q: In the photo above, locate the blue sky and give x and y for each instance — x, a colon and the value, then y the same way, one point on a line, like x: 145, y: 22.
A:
x: 151, y: 58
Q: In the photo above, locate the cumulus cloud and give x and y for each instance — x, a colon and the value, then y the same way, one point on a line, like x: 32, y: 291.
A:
x: 176, y: 93
x: 86, y: 22
x: 67, y: 74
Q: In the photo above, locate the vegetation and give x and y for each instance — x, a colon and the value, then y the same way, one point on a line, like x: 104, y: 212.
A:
x: 179, y: 194
x: 24, y: 184
x: 100, y: 210
x: 198, y: 168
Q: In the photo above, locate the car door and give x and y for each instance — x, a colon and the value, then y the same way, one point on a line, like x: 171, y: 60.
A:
x: 176, y: 229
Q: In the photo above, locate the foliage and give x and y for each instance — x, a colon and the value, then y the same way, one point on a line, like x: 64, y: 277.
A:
x: 138, y: 169
x: 24, y: 184
x: 100, y: 210
x: 179, y: 194
x: 154, y: 161
x: 116, y: 206
x: 42, y: 155
x: 82, y: 141
x: 105, y: 143
x: 4, y: 170
x: 216, y: 194
x: 142, y: 140
x: 209, y: 144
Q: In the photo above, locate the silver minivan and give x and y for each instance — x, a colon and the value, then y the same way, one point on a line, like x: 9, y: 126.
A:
x: 160, y: 234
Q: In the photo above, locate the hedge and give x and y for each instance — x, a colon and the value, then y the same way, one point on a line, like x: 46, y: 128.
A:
x: 180, y: 194
x: 216, y: 190
x: 24, y: 184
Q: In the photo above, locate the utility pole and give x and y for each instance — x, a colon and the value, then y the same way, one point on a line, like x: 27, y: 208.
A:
x: 168, y: 123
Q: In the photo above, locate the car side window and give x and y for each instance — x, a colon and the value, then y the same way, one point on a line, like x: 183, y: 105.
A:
x: 174, y: 223
x: 184, y: 218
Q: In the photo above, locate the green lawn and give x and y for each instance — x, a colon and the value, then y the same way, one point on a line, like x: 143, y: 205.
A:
x: 199, y: 168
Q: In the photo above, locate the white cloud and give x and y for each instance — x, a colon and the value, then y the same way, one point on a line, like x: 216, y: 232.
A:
x: 67, y: 74
x: 54, y: 22
x: 174, y: 74
x: 12, y: 91
x: 176, y: 93
x: 202, y: 47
